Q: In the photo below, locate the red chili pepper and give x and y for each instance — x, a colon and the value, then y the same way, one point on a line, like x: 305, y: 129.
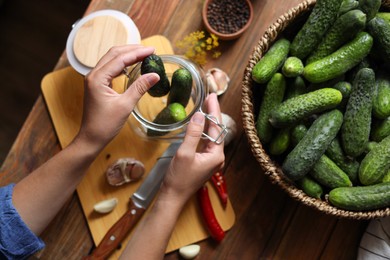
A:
x: 219, y: 182
x: 211, y: 221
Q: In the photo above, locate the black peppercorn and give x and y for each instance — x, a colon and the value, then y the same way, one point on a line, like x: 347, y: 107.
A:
x: 228, y: 16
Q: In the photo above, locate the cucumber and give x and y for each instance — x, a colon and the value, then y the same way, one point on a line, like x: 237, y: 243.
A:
x: 380, y: 129
x: 348, y: 5
x: 313, y: 145
x: 370, y: 7
x: 361, y: 197
x: 280, y: 142
x: 271, y: 62
x: 336, y: 154
x: 343, y: 30
x: 370, y: 145
x: 295, y: 109
x: 376, y: 163
x: 327, y: 173
x: 172, y: 113
x: 319, y: 21
x: 340, y: 61
x: 384, y: 15
x: 357, y: 117
x: 297, y: 133
x: 154, y: 63
x: 345, y: 88
x: 381, y: 97
x: 380, y: 31
x: 292, y: 67
x: 273, y: 96
x: 310, y: 187
x: 295, y: 87
x: 181, y: 87
x: 387, y: 177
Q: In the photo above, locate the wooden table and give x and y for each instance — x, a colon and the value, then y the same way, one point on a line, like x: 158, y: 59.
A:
x: 269, y: 224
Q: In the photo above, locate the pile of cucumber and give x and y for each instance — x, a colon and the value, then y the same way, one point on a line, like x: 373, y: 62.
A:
x: 325, y: 104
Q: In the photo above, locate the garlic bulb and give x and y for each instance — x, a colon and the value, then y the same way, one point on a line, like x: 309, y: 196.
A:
x: 124, y: 170
x: 189, y: 252
x: 217, y: 80
x: 231, y: 126
x: 105, y: 206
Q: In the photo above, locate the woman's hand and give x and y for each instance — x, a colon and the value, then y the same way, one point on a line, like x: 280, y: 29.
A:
x: 196, y: 160
x: 106, y: 111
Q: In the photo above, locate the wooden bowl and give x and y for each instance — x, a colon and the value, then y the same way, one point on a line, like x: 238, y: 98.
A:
x: 222, y: 35
x: 286, y: 25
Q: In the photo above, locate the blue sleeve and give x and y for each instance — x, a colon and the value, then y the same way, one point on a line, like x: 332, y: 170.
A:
x: 17, y: 241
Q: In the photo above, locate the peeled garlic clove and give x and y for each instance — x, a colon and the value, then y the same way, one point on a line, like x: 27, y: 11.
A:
x: 189, y: 252
x: 105, y: 206
x: 218, y: 81
x: 124, y: 170
x: 231, y: 125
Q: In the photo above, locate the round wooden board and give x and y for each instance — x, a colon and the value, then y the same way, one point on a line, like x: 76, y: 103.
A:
x: 96, y: 37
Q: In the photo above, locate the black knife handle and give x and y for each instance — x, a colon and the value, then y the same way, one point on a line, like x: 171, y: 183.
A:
x: 117, y: 232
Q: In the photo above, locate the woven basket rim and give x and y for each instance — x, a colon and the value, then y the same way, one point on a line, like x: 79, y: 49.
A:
x: 271, y: 168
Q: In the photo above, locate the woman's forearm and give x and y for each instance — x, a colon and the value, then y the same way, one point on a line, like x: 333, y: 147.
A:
x: 41, y: 194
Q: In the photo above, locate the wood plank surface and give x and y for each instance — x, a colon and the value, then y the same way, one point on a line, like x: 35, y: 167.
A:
x: 269, y: 224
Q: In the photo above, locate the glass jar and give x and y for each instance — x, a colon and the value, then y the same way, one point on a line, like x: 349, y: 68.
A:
x: 141, y: 119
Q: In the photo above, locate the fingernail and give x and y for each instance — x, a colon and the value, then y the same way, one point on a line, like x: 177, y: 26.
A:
x: 152, y: 78
x: 198, y: 118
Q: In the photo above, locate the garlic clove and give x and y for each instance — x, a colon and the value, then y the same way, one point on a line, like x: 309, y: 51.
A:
x: 124, y: 170
x: 231, y: 125
x: 105, y: 206
x: 189, y: 252
x: 217, y: 80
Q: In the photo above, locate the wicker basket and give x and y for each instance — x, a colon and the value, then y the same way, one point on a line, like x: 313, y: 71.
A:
x: 283, y: 25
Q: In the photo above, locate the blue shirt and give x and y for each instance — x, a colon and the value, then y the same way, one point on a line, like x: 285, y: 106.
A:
x: 17, y: 241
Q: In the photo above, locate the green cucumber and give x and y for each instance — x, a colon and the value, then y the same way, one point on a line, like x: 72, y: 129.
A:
x: 336, y: 154
x: 387, y: 177
x: 348, y: 5
x: 295, y: 109
x: 380, y: 129
x: 319, y: 21
x: 340, y: 61
x: 345, y: 88
x: 361, y: 197
x: 295, y: 87
x: 384, y: 15
x: 170, y: 114
x: 370, y: 7
x: 343, y: 30
x: 310, y: 187
x: 313, y: 145
x: 381, y: 97
x: 327, y: 173
x: 297, y: 133
x: 154, y: 63
x: 357, y: 117
x: 273, y: 96
x: 380, y: 31
x: 271, y: 62
x: 292, y: 67
x: 181, y: 87
x: 376, y: 163
x: 280, y: 142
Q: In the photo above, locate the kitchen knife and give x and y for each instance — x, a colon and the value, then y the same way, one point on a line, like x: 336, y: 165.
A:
x: 138, y: 204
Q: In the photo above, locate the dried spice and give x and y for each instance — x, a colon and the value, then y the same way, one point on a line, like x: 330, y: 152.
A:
x: 228, y: 16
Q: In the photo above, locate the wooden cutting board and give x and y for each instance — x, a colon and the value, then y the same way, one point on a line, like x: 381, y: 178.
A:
x: 63, y: 93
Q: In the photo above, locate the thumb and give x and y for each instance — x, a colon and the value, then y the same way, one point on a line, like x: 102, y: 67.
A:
x: 193, y: 133
x: 139, y: 87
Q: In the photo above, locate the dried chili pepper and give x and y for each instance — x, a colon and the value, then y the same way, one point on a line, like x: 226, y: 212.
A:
x: 211, y: 221
x: 219, y: 182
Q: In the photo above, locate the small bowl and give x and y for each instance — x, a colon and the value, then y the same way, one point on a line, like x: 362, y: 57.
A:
x: 223, y: 35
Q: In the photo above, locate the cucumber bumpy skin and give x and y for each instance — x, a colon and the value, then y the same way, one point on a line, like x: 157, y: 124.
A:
x: 181, y: 87
x: 343, y: 30
x: 381, y: 97
x: 380, y: 31
x: 271, y: 62
x: 313, y: 145
x: 376, y: 163
x: 297, y: 108
x: 361, y: 197
x: 370, y: 7
x: 154, y: 63
x: 320, y: 20
x: 356, y: 128
x: 310, y: 187
x: 380, y: 129
x: 340, y: 61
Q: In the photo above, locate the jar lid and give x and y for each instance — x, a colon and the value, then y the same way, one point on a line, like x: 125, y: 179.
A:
x: 95, y: 34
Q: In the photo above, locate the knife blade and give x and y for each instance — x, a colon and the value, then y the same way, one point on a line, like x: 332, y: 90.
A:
x: 139, y: 202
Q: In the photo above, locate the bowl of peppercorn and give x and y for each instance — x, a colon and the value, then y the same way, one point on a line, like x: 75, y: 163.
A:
x: 227, y: 19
